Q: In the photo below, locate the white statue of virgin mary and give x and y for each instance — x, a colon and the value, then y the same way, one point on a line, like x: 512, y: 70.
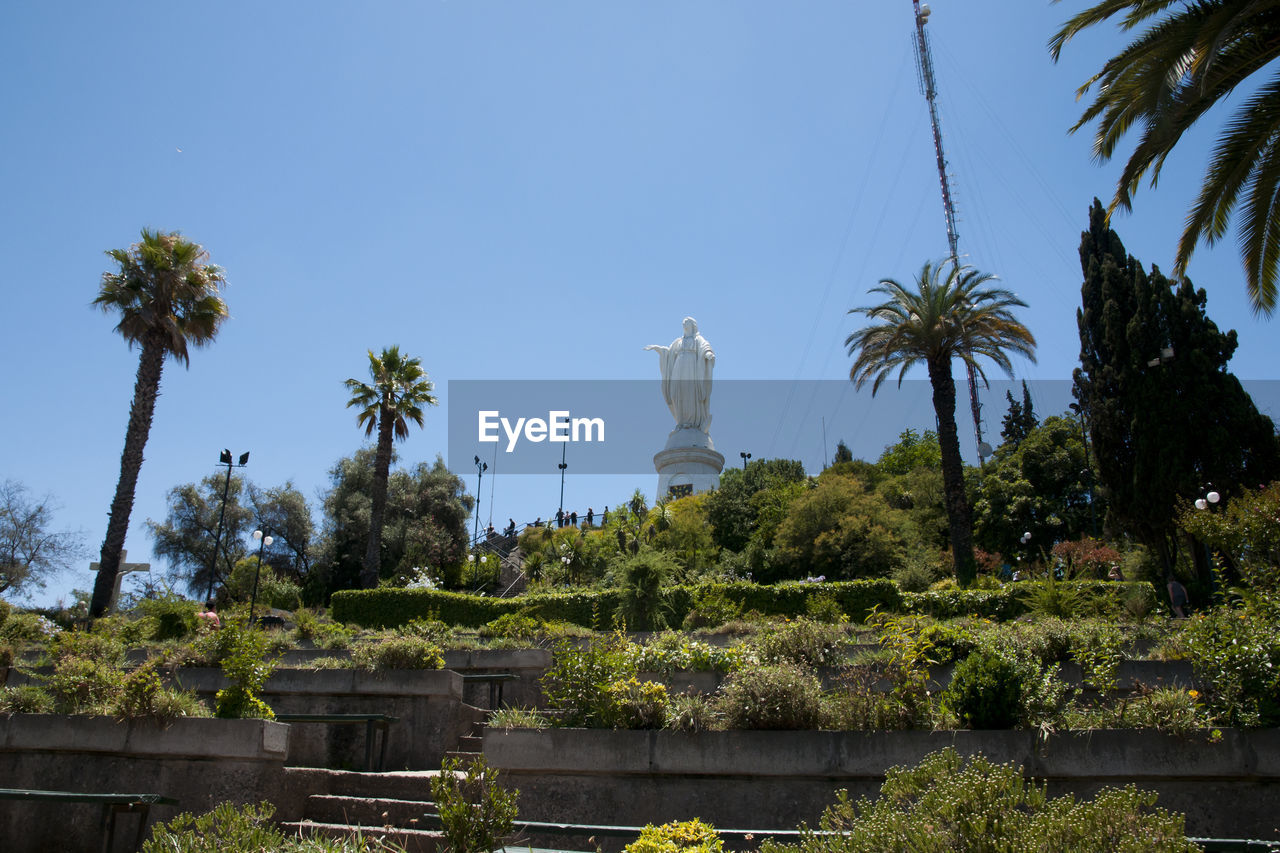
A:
x: 686, y: 377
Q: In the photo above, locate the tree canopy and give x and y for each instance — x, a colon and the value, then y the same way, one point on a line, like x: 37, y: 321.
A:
x: 1165, y: 417
x: 30, y: 549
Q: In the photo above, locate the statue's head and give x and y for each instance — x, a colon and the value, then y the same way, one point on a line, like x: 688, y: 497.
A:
x: 690, y: 326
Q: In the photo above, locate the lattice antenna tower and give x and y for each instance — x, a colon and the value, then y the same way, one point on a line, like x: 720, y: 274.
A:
x: 929, y: 88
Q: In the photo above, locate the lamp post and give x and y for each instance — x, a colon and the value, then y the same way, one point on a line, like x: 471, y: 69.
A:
x: 1209, y: 499
x: 562, y: 466
x: 223, y: 459
x: 481, y: 467
x: 745, y: 456
x: 263, y: 541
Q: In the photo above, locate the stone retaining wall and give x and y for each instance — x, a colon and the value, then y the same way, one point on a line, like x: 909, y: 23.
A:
x: 200, y: 762
x: 775, y: 780
x: 428, y: 702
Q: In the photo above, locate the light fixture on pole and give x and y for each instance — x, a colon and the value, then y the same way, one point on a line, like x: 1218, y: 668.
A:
x: 263, y: 541
x: 481, y: 467
x: 223, y: 459
x: 745, y: 456
x: 562, y: 466
x: 1211, y: 497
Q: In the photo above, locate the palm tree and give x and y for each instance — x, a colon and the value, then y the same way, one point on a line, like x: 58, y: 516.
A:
x: 168, y: 300
x: 399, y: 390
x: 1184, y: 62
x: 949, y: 313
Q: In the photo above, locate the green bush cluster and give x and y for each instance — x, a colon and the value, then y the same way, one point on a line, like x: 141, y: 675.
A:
x: 690, y: 836
x: 399, y: 653
x: 948, y: 803
x: 780, y: 696
x: 1236, y: 656
x: 986, y: 691
x: 475, y: 810
x: 245, y: 665
x: 1083, y: 598
x: 246, y: 828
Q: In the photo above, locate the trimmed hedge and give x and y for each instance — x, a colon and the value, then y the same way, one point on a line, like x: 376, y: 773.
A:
x: 1006, y: 603
x: 391, y: 608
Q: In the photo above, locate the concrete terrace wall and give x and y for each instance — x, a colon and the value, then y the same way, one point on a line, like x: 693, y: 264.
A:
x: 201, y: 762
x: 775, y: 780
x: 428, y: 703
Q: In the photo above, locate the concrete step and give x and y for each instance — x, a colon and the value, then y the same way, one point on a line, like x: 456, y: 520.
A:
x: 412, y: 840
x: 462, y: 755
x: 471, y: 743
x: 396, y: 785
x: 367, y: 811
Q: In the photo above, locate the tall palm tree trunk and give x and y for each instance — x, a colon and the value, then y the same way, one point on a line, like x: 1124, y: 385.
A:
x: 146, y: 388
x: 944, y: 405
x: 381, y: 472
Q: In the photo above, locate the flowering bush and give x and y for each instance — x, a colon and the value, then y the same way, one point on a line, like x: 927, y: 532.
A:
x: 692, y: 836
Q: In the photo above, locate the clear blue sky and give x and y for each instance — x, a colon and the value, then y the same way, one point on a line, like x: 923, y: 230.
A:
x: 519, y: 190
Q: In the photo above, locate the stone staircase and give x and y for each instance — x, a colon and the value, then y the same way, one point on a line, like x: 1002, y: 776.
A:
x: 387, y: 806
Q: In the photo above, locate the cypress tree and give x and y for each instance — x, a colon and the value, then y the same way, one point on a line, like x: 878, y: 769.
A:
x: 1165, y: 417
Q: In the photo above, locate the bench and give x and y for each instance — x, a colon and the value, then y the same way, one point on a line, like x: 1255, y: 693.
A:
x: 495, y: 681
x: 112, y: 805
x: 372, y: 723
x: 432, y: 820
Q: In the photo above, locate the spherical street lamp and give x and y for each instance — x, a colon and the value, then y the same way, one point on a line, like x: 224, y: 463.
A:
x: 263, y: 542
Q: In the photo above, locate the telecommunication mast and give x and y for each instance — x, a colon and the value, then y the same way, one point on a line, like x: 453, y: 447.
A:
x: 929, y: 88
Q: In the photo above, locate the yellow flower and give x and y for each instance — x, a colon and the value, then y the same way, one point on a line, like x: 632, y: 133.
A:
x: 1194, y: 694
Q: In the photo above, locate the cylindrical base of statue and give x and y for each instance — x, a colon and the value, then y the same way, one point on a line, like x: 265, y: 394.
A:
x: 687, y: 471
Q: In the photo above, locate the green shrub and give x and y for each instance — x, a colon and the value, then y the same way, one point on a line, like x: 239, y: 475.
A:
x: 5, y: 609
x: 28, y: 628
x: 399, y: 653
x: 1236, y: 657
x: 27, y: 699
x: 81, y: 685
x: 273, y: 590
x: 947, y: 803
x: 578, y: 679
x: 518, y: 718
x: 636, y: 704
x: 711, y: 609
x: 691, y: 836
x: 174, y: 616
x: 476, y: 811
x: 225, y: 828
x: 824, y: 608
x: 692, y: 712
x: 671, y: 651
x: 801, y: 641
x: 985, y: 691
x: 513, y: 626
x: 246, y: 667
x: 781, y: 696
x: 142, y: 694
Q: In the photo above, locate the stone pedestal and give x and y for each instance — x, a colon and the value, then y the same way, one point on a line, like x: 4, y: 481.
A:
x: 689, y: 464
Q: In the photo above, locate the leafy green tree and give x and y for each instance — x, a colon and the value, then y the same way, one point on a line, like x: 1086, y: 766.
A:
x: 729, y: 508
x: 843, y: 453
x: 912, y: 450
x: 1021, y: 418
x: 283, y: 511
x: 1165, y: 417
x: 951, y: 312
x: 921, y: 494
x: 1041, y: 485
x: 398, y: 392
x: 1186, y: 61
x: 168, y: 300
x: 840, y: 531
x: 686, y: 536
x: 425, y: 523
x: 29, y: 549
x: 185, y: 538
